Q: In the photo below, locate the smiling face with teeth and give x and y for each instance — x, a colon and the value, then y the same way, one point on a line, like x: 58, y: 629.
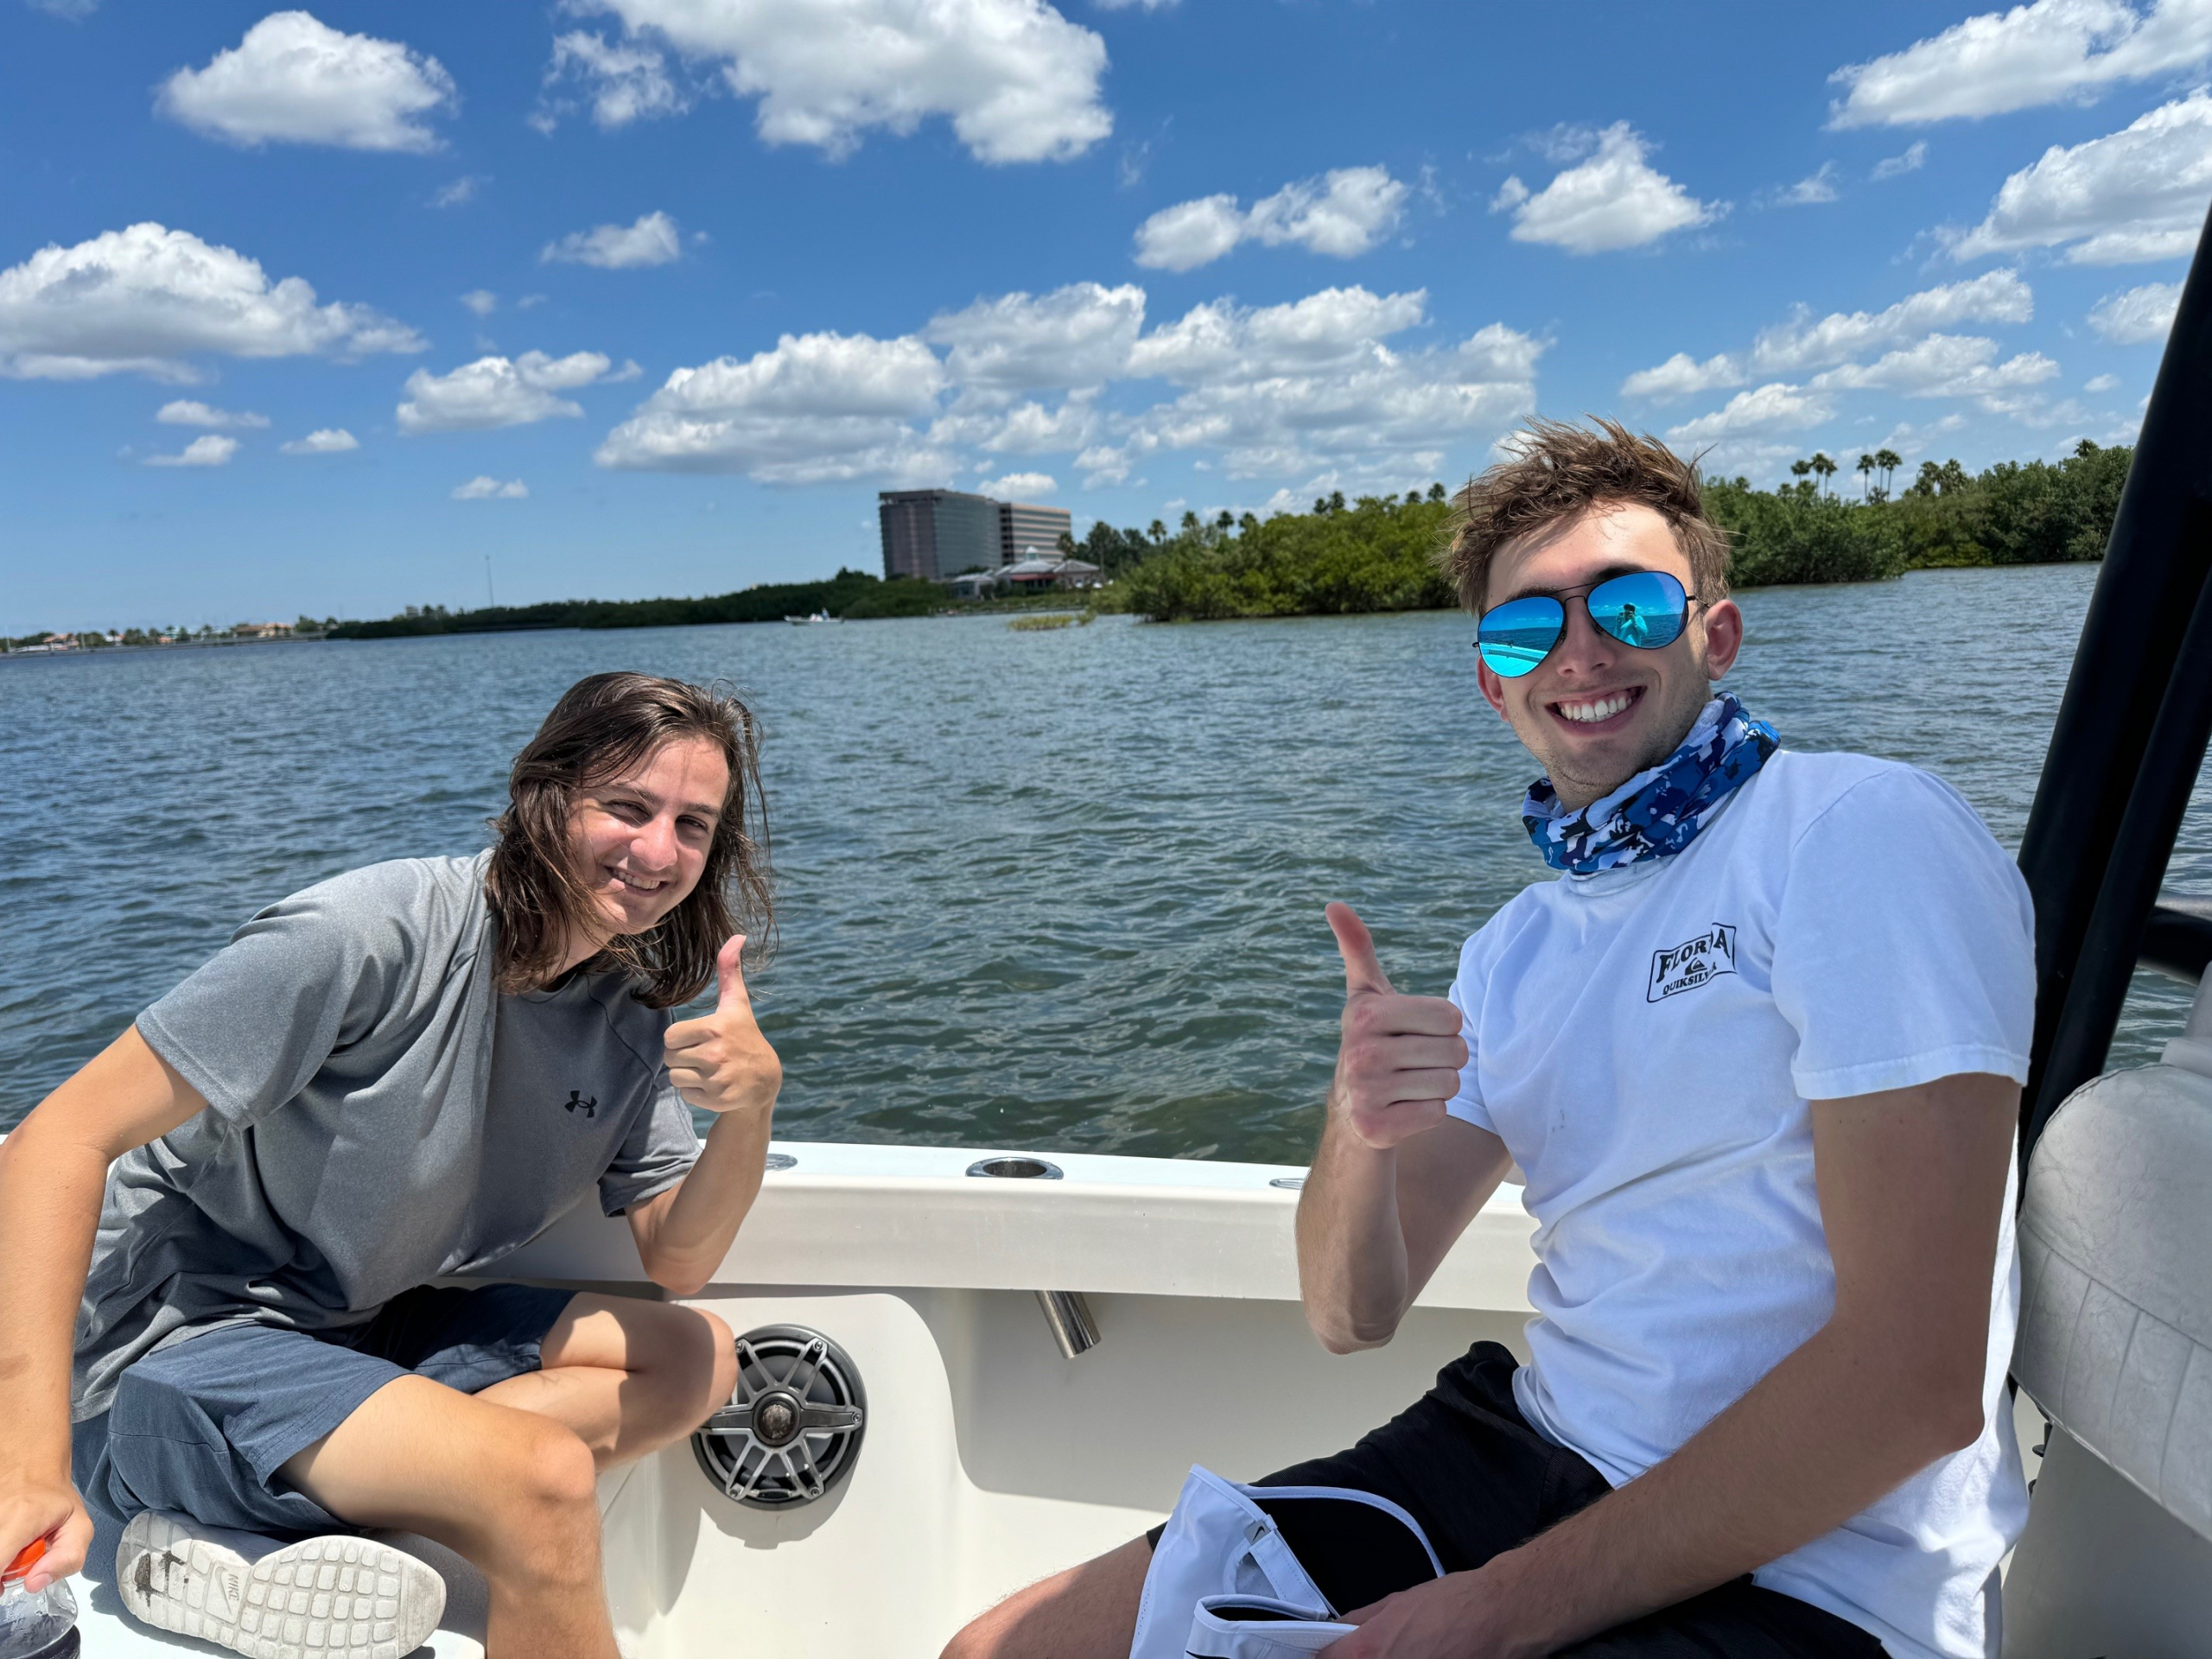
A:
x: 1596, y: 712
x: 640, y: 840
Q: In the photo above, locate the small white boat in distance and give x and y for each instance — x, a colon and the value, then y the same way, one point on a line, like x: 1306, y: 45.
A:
x: 818, y: 616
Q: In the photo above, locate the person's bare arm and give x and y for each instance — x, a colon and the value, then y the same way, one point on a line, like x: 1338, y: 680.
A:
x: 1394, y: 1179
x: 1912, y: 1191
x: 722, y: 1064
x: 53, y: 1172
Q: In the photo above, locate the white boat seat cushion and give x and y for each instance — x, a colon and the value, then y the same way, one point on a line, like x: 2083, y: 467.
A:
x: 2115, y: 1339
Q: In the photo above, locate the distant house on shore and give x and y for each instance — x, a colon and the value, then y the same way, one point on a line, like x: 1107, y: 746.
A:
x: 1027, y: 575
x: 261, y: 630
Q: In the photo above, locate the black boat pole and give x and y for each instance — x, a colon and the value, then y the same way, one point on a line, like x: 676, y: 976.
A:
x: 2155, y: 567
x: 2082, y: 1035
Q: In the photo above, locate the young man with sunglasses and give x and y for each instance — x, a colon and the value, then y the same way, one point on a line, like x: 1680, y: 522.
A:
x: 1758, y: 1053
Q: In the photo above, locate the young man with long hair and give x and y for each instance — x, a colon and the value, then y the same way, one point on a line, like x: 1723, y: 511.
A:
x: 1758, y: 1053
x: 398, y: 1075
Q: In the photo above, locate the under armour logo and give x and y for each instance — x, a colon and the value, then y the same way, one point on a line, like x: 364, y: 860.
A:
x: 576, y: 1103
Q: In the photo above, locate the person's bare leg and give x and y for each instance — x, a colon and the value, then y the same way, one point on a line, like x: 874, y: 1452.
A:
x: 512, y: 1491
x: 1087, y: 1613
x: 506, y: 1477
x: 627, y: 1376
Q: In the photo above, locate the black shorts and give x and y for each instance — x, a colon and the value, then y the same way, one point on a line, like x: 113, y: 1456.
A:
x: 1465, y: 1463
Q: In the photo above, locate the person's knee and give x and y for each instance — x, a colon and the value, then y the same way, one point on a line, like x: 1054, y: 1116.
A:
x: 538, y: 1474
x: 540, y: 1496
x: 722, y: 1364
x: 693, y: 1356
x: 1087, y: 1613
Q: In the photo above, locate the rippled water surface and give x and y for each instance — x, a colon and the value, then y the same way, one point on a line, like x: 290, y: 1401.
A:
x: 1045, y: 889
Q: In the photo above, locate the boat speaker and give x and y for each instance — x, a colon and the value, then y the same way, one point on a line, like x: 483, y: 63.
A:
x: 792, y: 1429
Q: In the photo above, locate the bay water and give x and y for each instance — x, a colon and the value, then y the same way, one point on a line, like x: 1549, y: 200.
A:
x: 1034, y: 889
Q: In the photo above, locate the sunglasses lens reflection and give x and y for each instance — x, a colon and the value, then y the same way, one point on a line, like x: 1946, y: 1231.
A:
x: 1645, y: 608
x: 1520, y: 633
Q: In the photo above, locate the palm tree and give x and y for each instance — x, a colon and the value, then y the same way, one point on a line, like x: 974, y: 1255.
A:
x: 1865, y: 470
x: 1158, y: 531
x: 1825, y: 467
x: 1889, y: 460
x: 1799, y: 469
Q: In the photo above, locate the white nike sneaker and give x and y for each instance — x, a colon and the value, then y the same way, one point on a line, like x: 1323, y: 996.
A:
x: 332, y: 1597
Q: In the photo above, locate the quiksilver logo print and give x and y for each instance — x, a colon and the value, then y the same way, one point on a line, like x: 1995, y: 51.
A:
x: 1693, y: 963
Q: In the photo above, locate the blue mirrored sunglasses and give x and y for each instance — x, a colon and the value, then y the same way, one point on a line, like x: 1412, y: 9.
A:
x: 1644, y: 608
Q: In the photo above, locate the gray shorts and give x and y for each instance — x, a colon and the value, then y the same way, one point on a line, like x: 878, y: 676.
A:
x: 200, y: 1428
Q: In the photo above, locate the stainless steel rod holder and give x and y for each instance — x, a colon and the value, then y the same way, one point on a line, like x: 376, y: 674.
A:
x: 1069, y: 1315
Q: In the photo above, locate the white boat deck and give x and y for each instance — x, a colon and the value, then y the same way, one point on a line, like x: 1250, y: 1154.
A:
x: 989, y: 1459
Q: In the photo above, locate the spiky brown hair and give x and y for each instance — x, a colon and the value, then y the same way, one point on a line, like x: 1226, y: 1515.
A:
x: 1556, y: 472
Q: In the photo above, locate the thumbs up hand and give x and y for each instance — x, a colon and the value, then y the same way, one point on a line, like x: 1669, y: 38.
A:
x: 1399, y: 1058
x: 720, y: 1061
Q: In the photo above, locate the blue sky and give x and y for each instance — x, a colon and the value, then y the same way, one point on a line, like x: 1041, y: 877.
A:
x: 317, y: 311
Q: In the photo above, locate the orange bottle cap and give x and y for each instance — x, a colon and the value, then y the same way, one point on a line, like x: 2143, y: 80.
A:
x: 26, y: 1559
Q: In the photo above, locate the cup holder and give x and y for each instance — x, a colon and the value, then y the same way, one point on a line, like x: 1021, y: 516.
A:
x: 1016, y: 1169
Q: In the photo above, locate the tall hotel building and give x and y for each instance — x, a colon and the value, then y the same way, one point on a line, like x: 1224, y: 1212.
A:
x: 937, y: 534
x: 1028, y: 532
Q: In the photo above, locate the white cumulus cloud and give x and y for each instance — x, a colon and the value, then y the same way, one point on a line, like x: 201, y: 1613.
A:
x: 1018, y: 80
x: 1027, y: 427
x: 1191, y: 233
x: 212, y: 450
x: 147, y: 298
x: 1942, y: 365
x: 496, y: 392
x: 653, y: 241
x: 323, y: 441
x: 1683, y: 376
x: 2053, y: 51
x: 1326, y: 384
x: 482, y: 301
x: 1343, y: 212
x: 816, y: 408
x: 1021, y: 486
x: 1776, y: 407
x: 483, y: 487
x: 2135, y: 195
x: 1806, y: 342
x: 188, y: 411
x: 1615, y: 199
x: 295, y: 79
x: 1079, y: 335
x: 628, y: 81
x: 2136, y: 315
x: 1291, y: 389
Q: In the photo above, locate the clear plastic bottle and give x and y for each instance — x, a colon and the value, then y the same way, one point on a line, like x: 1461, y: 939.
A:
x: 36, y: 1623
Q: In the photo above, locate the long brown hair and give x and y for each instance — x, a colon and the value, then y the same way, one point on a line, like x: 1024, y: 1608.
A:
x: 603, y: 726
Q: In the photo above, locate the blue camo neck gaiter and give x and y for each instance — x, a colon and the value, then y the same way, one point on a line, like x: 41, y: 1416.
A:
x: 1660, y: 810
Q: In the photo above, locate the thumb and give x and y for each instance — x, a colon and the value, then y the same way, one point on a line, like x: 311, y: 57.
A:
x: 730, y: 976
x: 1362, y: 971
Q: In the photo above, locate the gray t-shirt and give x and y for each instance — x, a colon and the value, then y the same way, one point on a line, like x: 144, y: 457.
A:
x: 379, y: 1115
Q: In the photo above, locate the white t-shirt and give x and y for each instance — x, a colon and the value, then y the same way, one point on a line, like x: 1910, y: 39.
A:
x: 1645, y: 1041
